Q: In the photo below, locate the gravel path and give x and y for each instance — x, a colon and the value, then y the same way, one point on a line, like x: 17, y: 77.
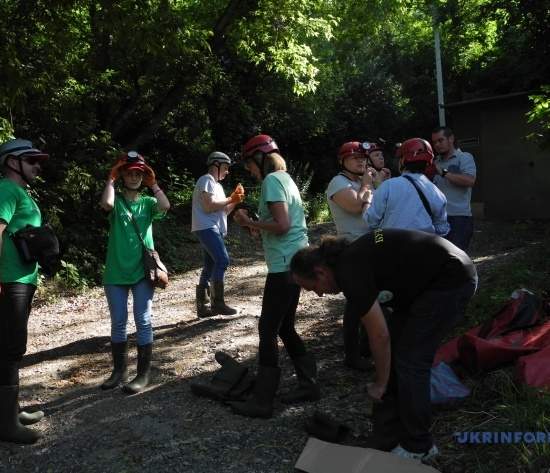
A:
x: 166, y: 428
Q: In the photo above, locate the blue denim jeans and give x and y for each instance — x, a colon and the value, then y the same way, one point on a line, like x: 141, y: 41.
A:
x: 462, y: 229
x: 216, y: 258
x: 117, y: 298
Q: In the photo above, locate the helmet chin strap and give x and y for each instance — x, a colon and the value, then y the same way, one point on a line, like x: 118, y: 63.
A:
x: 217, y: 165
x: 260, y: 164
x: 20, y: 171
x: 351, y: 172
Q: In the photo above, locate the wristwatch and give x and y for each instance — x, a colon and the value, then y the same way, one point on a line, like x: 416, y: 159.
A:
x: 444, y: 172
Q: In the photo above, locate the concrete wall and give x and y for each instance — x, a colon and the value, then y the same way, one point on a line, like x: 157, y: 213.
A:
x: 513, y: 180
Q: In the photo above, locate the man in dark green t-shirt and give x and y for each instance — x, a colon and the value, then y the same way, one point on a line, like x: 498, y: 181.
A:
x: 20, y: 163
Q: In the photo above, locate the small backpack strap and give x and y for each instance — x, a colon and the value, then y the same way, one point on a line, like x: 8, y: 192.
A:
x: 421, y: 195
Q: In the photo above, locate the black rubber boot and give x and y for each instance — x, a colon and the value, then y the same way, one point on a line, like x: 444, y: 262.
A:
x: 218, y: 301
x: 11, y: 430
x: 119, y: 352
x: 201, y: 296
x: 306, y: 372
x: 29, y: 418
x: 141, y: 380
x: 260, y: 403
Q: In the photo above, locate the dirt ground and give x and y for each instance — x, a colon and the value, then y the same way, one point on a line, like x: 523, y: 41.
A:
x: 167, y: 428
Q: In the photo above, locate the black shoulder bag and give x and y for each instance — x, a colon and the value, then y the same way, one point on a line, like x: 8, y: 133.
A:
x: 38, y: 245
x: 155, y: 271
x: 421, y: 195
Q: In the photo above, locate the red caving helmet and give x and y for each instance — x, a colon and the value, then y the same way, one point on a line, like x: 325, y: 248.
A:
x: 262, y: 143
x: 416, y: 149
x: 349, y: 149
x: 372, y: 147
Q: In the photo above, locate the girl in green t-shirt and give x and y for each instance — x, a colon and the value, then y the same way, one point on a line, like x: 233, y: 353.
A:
x: 124, y: 264
x: 282, y: 226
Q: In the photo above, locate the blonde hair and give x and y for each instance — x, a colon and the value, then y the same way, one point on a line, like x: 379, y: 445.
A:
x: 274, y: 162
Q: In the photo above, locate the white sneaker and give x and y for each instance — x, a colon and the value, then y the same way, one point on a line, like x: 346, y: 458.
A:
x: 401, y: 452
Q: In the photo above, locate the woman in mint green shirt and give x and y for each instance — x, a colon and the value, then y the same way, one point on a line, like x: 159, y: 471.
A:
x: 124, y: 264
x: 282, y: 226
x: 20, y: 164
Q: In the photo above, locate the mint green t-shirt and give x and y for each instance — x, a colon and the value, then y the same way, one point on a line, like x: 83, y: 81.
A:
x: 279, y: 249
x: 124, y: 263
x: 17, y: 210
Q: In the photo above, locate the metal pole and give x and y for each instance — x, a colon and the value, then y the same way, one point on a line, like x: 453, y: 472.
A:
x: 438, y: 71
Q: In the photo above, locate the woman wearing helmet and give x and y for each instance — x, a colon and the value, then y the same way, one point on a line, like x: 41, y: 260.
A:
x: 124, y: 264
x: 21, y: 164
x: 346, y: 190
x: 283, y: 229
x: 411, y: 200
x: 209, y: 224
x: 375, y: 161
x: 346, y: 197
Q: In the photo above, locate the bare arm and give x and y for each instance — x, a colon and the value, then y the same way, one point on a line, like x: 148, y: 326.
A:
x: 461, y: 180
x: 209, y: 204
x: 107, y: 201
x: 380, y: 344
x: 3, y: 226
x: 162, y: 201
x: 353, y: 201
x: 350, y: 200
x: 279, y: 226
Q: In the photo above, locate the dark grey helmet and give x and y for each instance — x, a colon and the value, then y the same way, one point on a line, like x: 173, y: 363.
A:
x: 218, y: 157
x: 17, y: 147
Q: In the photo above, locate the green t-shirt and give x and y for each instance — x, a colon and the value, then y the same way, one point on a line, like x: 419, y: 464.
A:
x: 17, y: 209
x: 279, y: 249
x: 124, y: 263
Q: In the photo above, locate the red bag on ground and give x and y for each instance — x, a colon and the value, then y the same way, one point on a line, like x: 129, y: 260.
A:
x: 534, y: 369
x: 502, y: 339
x: 480, y: 354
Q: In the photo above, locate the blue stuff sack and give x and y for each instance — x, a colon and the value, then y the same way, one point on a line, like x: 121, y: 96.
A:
x: 445, y: 385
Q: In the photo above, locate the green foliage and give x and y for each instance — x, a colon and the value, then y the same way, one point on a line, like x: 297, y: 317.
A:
x: 318, y: 210
x: 69, y: 277
x: 180, y: 187
x: 6, y: 130
x: 208, y: 75
x: 539, y: 115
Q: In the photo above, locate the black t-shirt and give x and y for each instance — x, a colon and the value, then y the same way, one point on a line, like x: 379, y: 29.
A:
x: 405, y: 262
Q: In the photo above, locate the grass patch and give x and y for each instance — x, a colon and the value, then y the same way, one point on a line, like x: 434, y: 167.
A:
x: 498, y: 403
